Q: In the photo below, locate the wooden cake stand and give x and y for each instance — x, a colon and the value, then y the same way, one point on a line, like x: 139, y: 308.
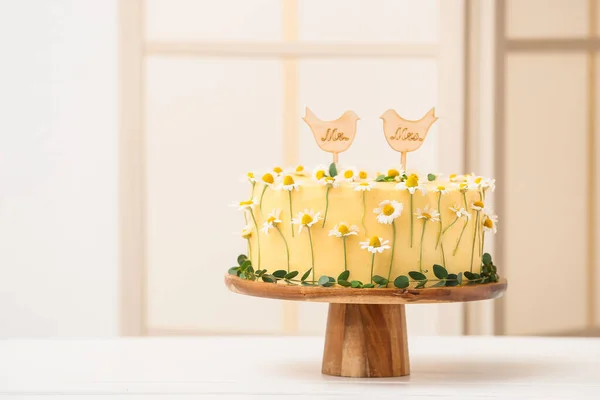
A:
x: 366, y: 328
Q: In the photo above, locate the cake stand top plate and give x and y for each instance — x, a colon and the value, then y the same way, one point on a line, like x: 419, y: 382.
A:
x: 336, y: 294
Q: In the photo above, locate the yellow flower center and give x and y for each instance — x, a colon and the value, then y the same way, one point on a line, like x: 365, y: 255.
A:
x: 348, y: 174
x: 246, y: 234
x: 452, y: 177
x: 250, y: 175
x: 375, y: 242
x: 463, y: 186
x: 488, y: 223
x: 306, y: 219
x: 440, y: 188
x: 362, y: 175
x: 271, y: 220
x: 268, y: 178
x: 426, y: 215
x: 245, y: 203
x: 277, y: 170
x: 388, y: 209
x: 393, y: 173
x: 320, y: 174
x: 363, y: 184
x: 300, y: 168
x: 329, y: 179
x: 343, y: 229
x: 478, y: 204
x: 478, y: 180
x: 288, y: 180
x: 412, y: 181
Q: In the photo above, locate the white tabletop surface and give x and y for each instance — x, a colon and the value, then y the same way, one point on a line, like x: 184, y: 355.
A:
x: 289, y: 367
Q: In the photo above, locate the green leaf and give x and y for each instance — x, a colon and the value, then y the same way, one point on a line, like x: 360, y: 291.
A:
x: 421, y: 285
x: 430, y: 177
x: 368, y: 286
x: 343, y: 283
x: 390, y: 179
x: 417, y: 276
x: 245, y: 264
x: 242, y: 275
x: 268, y: 278
x: 332, y: 170
x: 469, y: 275
x: 306, y: 274
x: 280, y: 273
x: 452, y: 280
x: 241, y: 258
x: 440, y: 272
x: 380, y: 178
x: 380, y: 280
x: 326, y: 281
x: 291, y: 275
x: 459, y: 278
x: 487, y: 259
x: 308, y: 284
x: 356, y: 284
x: 233, y: 270
x: 401, y: 282
x: 344, y: 276
x: 440, y: 283
x: 250, y: 270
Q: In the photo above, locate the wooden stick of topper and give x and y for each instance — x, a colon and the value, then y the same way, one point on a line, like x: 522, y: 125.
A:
x: 404, y: 135
x: 333, y: 136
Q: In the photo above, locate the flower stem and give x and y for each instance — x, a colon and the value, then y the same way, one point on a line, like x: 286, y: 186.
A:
x: 257, y: 235
x: 482, y: 242
x: 393, y: 248
x: 312, y: 254
x: 474, y: 239
x: 249, y: 250
x: 326, y: 205
x: 464, y: 227
x: 291, y: 212
x: 261, y: 199
x: 362, y: 220
x: 372, y: 266
x: 345, y: 260
x: 411, y: 220
x: 440, y: 211
x: 421, y: 252
x: 445, y: 230
x: 443, y: 256
x: 252, y: 191
x: 287, y: 249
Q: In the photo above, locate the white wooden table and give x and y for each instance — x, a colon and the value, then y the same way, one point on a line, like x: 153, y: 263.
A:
x: 277, y: 367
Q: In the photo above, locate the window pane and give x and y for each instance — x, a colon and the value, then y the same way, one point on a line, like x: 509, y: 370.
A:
x: 369, y: 87
x: 546, y: 131
x: 368, y: 21
x: 546, y: 18
x: 209, y: 20
x: 208, y: 120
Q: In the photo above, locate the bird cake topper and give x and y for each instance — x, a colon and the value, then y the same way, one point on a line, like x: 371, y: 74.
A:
x: 333, y: 136
x: 404, y: 135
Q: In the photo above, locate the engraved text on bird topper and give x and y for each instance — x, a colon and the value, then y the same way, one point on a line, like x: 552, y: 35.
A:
x: 333, y: 136
x: 405, y: 135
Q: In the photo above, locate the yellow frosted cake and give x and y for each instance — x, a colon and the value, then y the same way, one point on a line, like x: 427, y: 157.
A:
x: 341, y: 226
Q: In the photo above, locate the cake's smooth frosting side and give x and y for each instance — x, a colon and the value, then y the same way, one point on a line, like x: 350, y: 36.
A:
x: 346, y: 205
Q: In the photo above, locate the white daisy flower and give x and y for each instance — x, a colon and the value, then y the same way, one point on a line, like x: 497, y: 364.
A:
x: 349, y: 174
x: 247, y: 232
x: 490, y: 222
x: 289, y: 184
x: 342, y: 229
x: 363, y: 186
x: 306, y: 219
x: 375, y: 245
x: 267, y: 179
x: 441, y: 189
x: 428, y: 214
x: 478, y: 206
x: 272, y: 221
x: 388, y: 211
x: 249, y: 177
x: 460, y: 212
x: 329, y: 181
x: 412, y: 184
x: 454, y: 177
x: 319, y: 172
x: 246, y: 205
x: 299, y: 170
x: 278, y: 171
x: 396, y: 173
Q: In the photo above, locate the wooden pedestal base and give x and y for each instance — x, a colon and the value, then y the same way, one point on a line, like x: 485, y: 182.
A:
x: 366, y: 328
x: 366, y: 341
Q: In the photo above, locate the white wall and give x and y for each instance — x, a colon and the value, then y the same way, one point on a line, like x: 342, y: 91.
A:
x: 58, y: 168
